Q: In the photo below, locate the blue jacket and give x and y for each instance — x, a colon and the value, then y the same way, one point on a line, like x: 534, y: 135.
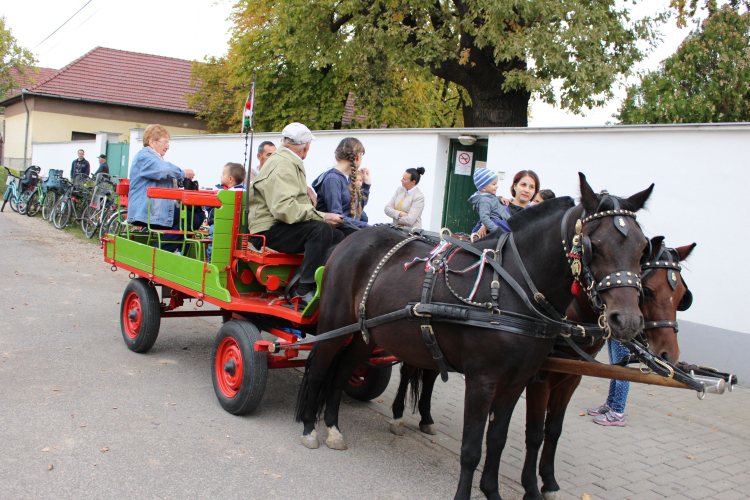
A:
x: 146, y: 171
x: 334, y: 196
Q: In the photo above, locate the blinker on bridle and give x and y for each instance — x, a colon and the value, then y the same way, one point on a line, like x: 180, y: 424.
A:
x: 580, y: 256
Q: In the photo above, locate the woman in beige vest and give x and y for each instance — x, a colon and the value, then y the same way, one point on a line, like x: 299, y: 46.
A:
x: 405, y: 208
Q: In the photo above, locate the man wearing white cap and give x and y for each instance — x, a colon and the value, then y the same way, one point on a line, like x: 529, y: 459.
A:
x: 280, y: 209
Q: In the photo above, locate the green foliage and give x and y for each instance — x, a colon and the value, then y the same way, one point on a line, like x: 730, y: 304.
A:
x: 706, y: 80
x: 12, y: 56
x: 418, y: 62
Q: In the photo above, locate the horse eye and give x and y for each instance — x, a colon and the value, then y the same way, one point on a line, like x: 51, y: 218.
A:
x: 647, y: 292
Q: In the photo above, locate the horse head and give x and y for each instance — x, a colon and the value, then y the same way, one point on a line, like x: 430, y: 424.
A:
x: 610, y: 247
x: 664, y: 293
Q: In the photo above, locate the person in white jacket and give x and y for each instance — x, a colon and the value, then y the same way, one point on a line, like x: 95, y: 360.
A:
x: 406, y: 206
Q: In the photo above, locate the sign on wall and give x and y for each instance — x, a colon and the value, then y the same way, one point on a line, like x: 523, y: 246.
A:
x: 463, y: 162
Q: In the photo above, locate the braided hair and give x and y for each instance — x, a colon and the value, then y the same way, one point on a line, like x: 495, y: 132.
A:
x: 348, y: 149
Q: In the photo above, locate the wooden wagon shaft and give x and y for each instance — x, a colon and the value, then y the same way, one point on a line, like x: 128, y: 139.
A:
x: 607, y: 371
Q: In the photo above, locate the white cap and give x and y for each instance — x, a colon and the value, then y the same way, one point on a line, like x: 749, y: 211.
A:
x: 297, y: 133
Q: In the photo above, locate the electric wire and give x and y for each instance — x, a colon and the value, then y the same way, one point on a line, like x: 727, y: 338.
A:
x: 63, y: 24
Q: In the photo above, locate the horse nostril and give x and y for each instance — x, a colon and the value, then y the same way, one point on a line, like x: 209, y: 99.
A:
x: 615, y: 318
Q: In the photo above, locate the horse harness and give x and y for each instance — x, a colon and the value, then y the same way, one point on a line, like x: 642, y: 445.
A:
x: 666, y: 260
x: 488, y: 314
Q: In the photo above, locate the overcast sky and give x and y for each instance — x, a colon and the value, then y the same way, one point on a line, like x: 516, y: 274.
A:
x: 192, y: 29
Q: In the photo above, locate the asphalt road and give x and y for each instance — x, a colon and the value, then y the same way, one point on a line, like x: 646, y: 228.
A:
x: 81, y: 416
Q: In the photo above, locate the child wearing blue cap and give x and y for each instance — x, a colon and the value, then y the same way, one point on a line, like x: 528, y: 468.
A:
x: 491, y: 213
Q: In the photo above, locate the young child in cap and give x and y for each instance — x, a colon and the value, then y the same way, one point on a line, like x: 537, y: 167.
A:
x: 232, y: 178
x: 491, y: 212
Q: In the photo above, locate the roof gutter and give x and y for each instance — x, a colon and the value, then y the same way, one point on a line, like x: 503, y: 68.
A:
x: 110, y: 103
x: 26, y: 135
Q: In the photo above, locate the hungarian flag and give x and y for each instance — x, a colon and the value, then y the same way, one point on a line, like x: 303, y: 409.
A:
x: 247, y: 118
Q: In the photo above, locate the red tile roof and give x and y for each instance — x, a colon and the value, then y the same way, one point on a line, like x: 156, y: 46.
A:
x: 120, y: 77
x: 23, y: 81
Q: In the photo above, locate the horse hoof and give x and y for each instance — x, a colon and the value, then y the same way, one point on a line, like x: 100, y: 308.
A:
x: 552, y: 495
x: 397, y: 427
x: 335, y: 440
x: 427, y: 429
x: 311, y: 441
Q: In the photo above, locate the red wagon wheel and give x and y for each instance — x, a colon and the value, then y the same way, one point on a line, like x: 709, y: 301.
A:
x: 368, y: 382
x: 239, y: 372
x: 229, y: 367
x: 140, y: 315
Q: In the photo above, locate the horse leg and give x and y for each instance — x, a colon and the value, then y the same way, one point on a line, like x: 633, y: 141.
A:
x: 477, y: 402
x: 497, y: 434
x: 396, y: 426
x: 426, y: 424
x: 558, y: 403
x: 356, y: 353
x: 315, y: 381
x: 537, y: 397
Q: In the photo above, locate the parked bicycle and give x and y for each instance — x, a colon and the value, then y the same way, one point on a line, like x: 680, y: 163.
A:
x: 47, y: 194
x: 20, y: 189
x: 72, y: 203
x: 101, y: 207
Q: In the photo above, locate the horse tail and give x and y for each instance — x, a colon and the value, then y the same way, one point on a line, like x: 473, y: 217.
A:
x: 324, y: 389
x: 415, y: 385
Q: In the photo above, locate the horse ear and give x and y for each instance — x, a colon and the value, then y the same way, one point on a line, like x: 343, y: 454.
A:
x: 639, y: 199
x: 589, y: 199
x: 684, y: 252
x: 656, y: 243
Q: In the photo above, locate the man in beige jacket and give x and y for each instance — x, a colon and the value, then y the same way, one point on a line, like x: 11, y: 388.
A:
x: 280, y: 209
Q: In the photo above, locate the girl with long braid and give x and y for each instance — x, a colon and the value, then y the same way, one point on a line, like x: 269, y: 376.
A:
x: 337, y: 187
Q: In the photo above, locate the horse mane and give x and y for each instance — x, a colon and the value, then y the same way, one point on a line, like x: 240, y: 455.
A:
x: 538, y: 212
x: 625, y: 204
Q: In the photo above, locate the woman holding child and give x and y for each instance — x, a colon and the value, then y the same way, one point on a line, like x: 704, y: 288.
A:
x: 494, y: 211
x: 338, y: 190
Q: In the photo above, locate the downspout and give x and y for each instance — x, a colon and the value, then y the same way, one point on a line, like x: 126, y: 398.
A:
x: 26, y: 135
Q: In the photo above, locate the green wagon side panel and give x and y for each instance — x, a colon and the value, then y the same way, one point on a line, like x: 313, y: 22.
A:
x: 178, y: 269
x: 221, y: 250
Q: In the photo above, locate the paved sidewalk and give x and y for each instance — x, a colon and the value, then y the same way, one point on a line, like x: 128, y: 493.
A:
x: 674, y: 446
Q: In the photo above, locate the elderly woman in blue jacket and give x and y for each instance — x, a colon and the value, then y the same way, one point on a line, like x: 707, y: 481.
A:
x: 149, y: 169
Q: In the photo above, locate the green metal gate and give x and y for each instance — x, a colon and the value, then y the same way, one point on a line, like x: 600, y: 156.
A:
x: 117, y: 159
x: 459, y: 214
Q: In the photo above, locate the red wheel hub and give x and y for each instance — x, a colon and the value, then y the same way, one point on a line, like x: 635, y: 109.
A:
x: 229, y: 367
x: 359, y: 376
x: 131, y: 315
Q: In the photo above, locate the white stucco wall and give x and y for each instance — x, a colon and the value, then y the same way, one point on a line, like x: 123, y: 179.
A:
x: 690, y: 165
x: 60, y: 155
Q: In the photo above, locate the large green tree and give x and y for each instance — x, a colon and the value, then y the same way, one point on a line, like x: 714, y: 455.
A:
x: 490, y: 55
x: 293, y: 88
x: 706, y: 80
x: 12, y: 57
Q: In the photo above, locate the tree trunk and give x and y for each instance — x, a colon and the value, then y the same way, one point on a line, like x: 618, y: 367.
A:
x: 491, y: 107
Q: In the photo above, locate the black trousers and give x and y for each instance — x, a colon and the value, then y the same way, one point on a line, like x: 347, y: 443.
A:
x: 316, y: 239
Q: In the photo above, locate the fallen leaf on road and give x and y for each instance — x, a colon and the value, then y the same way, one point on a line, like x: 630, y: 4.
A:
x: 265, y: 472
x: 585, y: 497
x: 433, y: 441
x: 691, y: 457
x: 55, y: 390
x: 380, y: 400
x: 45, y: 450
x: 680, y: 408
x: 714, y: 429
x: 651, y: 394
x: 669, y: 414
x: 114, y: 407
x: 582, y: 415
x: 243, y: 451
x: 50, y: 467
x: 105, y: 449
x: 84, y: 425
x: 69, y: 348
x: 277, y: 476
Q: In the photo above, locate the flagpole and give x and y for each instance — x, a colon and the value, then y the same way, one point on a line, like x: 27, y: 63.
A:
x: 248, y: 127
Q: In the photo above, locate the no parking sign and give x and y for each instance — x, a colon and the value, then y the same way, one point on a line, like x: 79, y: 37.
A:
x: 464, y: 160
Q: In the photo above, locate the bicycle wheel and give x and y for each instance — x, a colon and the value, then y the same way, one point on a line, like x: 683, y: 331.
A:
x: 61, y: 213
x: 90, y: 222
x: 13, y: 200
x: 6, y: 197
x: 23, y: 202
x: 107, y: 220
x: 49, y: 203
x: 33, y: 206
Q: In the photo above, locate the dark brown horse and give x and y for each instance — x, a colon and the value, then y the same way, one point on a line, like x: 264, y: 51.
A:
x: 661, y: 302
x: 497, y: 363
x: 546, y: 401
